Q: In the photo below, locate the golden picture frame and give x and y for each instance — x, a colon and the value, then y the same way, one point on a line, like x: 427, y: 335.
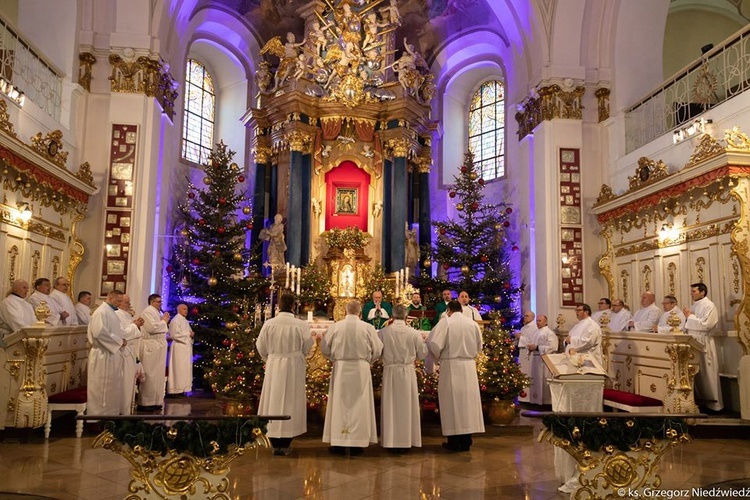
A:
x: 346, y: 201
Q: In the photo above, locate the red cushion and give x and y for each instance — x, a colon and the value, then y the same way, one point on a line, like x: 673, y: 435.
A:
x: 73, y: 396
x: 630, y: 399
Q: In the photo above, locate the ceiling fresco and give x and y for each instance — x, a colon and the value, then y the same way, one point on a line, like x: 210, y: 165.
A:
x: 425, y: 23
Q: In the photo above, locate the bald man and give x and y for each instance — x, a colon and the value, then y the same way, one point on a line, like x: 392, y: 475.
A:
x: 15, y: 312
x: 647, y: 316
x: 59, y: 294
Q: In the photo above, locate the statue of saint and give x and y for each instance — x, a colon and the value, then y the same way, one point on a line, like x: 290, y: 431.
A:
x: 412, y: 249
x: 274, y: 235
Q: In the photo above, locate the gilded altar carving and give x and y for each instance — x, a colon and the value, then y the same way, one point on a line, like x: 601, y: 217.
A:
x: 5, y: 124
x: 50, y: 146
x: 606, y: 263
x: 671, y: 275
x: 297, y: 140
x: 133, y: 75
x: 741, y: 247
x: 624, y: 285
x: 646, y: 273
x: 679, y: 398
x: 708, y: 147
x: 77, y: 251
x: 700, y: 272
x: 398, y: 147
x: 84, y: 174
x: 12, y: 263
x: 86, y: 61
x: 602, y: 103
x: 547, y: 103
x: 262, y: 154
x: 647, y: 172
x: 737, y: 141
x: 605, y: 194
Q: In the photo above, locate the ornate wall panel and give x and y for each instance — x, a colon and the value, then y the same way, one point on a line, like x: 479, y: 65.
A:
x: 571, y: 231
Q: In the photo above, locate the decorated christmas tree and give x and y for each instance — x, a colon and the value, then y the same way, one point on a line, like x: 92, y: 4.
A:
x: 210, y: 264
x: 237, y: 368
x: 500, y: 377
x: 472, y: 251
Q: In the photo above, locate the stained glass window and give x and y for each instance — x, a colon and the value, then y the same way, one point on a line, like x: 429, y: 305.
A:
x: 487, y: 129
x: 200, y: 106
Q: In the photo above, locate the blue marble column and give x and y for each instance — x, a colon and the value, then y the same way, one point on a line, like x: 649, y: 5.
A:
x: 397, y: 215
x: 425, y: 217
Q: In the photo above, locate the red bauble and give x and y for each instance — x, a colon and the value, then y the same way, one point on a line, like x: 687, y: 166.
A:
x: 452, y: 194
x: 249, y: 226
x: 217, y: 252
x: 222, y: 201
x: 484, y: 258
x: 506, y: 223
x: 502, y: 320
x: 474, y: 206
x: 201, y: 222
x: 194, y: 311
x: 267, y: 291
x: 240, y: 355
x: 225, y: 342
x: 442, y: 230
x: 522, y: 394
x: 464, y: 169
x: 245, y: 316
x: 235, y: 309
x: 428, y: 289
x: 221, y: 230
x: 481, y: 182
x: 506, y: 286
x: 515, y: 248
x: 508, y: 210
x: 241, y: 178
x: 191, y: 195
x: 196, y: 262
x: 170, y: 269
x: 240, y: 378
x: 446, y: 266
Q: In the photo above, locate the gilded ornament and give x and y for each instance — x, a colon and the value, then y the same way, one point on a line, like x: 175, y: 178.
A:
x: 605, y: 194
x: 602, y: 101
x: 5, y: 124
x: 736, y: 140
x: 707, y: 148
x: 50, y: 146
x: 212, y: 281
x: 704, y: 87
x: 84, y: 173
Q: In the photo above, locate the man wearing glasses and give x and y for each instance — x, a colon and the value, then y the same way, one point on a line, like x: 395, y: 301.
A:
x: 603, y: 307
x: 60, y: 295
x: 619, y: 317
x: 153, y: 354
x: 586, y: 335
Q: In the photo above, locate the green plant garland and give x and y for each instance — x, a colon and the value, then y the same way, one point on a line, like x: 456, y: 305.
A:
x: 200, y: 438
x: 598, y: 433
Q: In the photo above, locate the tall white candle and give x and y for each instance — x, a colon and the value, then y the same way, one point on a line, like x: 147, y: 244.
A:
x: 286, y: 285
x: 398, y: 276
x: 299, y: 278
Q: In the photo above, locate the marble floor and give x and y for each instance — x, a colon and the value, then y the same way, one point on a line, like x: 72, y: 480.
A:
x: 506, y: 462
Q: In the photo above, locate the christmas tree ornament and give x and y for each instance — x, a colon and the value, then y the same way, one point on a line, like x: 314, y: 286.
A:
x: 191, y: 195
x: 508, y: 210
x: 231, y: 325
x: 484, y: 258
x: 170, y: 269
x: 206, y: 180
x: 241, y: 178
x: 464, y: 169
x: 212, y: 281
x: 201, y: 222
x: 465, y: 269
x: 234, y: 167
x: 459, y: 206
x: 427, y: 263
x: 473, y: 176
x: 506, y: 223
x: 452, y: 194
x: 442, y: 230
x: 446, y: 266
x: 246, y: 210
x: 249, y: 226
x: 498, y: 299
x: 474, y: 206
x: 222, y: 201
x: 221, y: 229
x: 515, y: 248
x: 237, y: 256
x: 194, y: 311
x: 184, y: 233
x: 481, y: 182
x: 196, y: 261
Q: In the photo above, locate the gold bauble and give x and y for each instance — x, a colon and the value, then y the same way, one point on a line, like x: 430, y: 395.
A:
x: 246, y: 210
x: 231, y: 325
x: 465, y: 269
x: 184, y: 233
x: 473, y: 176
x: 206, y: 180
x: 460, y: 207
x: 212, y: 281
x: 497, y: 298
x: 237, y: 256
x: 234, y: 166
x: 427, y: 263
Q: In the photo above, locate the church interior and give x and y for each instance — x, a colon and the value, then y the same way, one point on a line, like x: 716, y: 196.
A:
x: 346, y: 142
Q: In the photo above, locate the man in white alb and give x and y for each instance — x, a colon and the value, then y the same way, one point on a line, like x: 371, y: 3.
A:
x: 15, y: 311
x: 153, y: 354
x: 130, y: 365
x: 700, y: 321
x: 180, y: 378
x: 669, y: 304
x: 42, y: 288
x: 603, y: 307
x: 544, y: 342
x: 352, y: 346
x: 647, y: 316
x: 526, y: 337
x: 618, y: 316
x: 586, y: 335
x: 83, y: 307
x: 59, y: 294
x: 467, y: 310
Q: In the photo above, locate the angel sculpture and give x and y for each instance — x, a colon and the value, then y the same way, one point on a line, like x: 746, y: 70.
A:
x: 317, y: 209
x: 288, y: 53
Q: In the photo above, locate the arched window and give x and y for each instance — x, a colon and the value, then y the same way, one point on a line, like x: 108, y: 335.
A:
x: 200, y: 106
x: 487, y: 129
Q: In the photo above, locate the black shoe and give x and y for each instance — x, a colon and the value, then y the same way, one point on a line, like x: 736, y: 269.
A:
x: 451, y: 447
x: 355, y: 451
x: 337, y: 450
x: 282, y: 452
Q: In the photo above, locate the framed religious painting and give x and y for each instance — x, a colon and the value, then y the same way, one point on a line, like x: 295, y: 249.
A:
x: 346, y: 201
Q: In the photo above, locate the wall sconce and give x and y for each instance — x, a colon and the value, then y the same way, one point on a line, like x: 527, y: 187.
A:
x: 688, y: 131
x: 668, y: 233
x: 24, y: 212
x: 13, y: 93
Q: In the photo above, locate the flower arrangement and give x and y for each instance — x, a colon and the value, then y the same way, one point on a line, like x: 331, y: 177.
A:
x: 351, y: 237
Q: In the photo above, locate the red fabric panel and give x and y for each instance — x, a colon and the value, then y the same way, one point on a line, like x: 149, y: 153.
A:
x: 347, y: 176
x: 73, y: 396
x: 630, y: 399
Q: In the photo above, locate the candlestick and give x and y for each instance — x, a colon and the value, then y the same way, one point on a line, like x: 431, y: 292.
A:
x: 286, y: 285
x: 309, y: 315
x: 299, y: 278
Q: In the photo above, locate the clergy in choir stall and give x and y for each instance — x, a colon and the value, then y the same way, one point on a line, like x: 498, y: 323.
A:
x: 526, y: 337
x: 64, y: 303
x: 544, y: 341
x: 376, y: 312
x: 15, y: 311
x: 647, y: 316
x: 455, y: 343
x: 153, y: 354
x: 180, y: 364
x: 417, y: 310
x: 603, y: 307
x: 283, y: 343
x: 586, y: 335
x: 131, y: 368
x: 352, y: 346
x: 669, y: 304
x: 618, y: 317
x: 83, y: 307
x: 107, y: 340
x: 700, y: 321
x: 399, y: 406
x: 441, y: 306
x: 467, y: 310
x: 42, y: 289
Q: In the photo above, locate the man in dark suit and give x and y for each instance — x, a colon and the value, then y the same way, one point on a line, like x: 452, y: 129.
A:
x: 376, y: 312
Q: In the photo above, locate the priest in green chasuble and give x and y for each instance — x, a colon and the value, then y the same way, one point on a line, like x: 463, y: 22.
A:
x: 376, y: 312
x: 417, y: 311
